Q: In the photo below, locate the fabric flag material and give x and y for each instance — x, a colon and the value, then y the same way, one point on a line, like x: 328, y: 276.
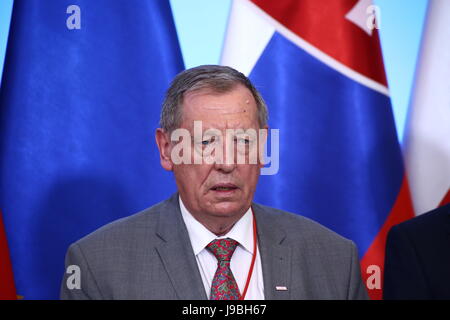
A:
x: 7, y: 288
x: 80, y: 101
x: 427, y: 137
x: 319, y: 67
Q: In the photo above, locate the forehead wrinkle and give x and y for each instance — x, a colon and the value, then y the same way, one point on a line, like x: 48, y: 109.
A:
x: 228, y: 124
x: 233, y: 112
x: 223, y: 109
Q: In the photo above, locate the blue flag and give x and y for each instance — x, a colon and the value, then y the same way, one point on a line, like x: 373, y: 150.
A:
x: 80, y: 100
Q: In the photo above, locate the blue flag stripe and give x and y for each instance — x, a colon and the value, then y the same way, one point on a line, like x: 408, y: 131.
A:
x: 78, y: 112
x: 340, y: 162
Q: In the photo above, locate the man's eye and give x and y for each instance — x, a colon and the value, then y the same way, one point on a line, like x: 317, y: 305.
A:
x: 208, y: 141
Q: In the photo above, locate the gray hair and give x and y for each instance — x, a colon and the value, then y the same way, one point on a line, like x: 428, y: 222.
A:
x: 219, y: 79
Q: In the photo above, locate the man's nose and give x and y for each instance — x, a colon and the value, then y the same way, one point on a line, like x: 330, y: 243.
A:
x: 225, y: 167
x: 228, y: 163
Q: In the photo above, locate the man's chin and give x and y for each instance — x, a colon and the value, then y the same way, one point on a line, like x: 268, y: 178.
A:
x: 228, y: 209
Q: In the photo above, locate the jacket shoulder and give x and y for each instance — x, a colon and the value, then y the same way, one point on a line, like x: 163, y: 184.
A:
x: 425, y: 225
x: 324, y: 264
x: 124, y: 228
x: 301, y: 228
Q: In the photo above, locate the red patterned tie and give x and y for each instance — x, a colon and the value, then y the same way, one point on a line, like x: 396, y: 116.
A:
x: 224, y: 286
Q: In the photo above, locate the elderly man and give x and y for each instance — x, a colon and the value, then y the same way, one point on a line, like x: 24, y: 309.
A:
x: 209, y: 240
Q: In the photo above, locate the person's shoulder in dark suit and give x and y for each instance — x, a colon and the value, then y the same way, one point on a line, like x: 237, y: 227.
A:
x: 417, y: 263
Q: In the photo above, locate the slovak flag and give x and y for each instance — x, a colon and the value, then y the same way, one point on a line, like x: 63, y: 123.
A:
x: 318, y: 65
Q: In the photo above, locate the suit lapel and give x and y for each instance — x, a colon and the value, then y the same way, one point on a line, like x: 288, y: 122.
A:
x: 176, y: 253
x: 275, y: 255
x: 178, y: 259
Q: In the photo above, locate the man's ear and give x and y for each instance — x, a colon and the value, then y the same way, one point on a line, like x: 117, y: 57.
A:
x: 262, y: 139
x: 165, y: 148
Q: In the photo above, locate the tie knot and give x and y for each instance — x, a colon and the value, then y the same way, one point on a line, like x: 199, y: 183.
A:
x: 222, y: 249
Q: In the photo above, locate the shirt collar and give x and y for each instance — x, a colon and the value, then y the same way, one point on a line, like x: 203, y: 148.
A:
x: 200, y: 236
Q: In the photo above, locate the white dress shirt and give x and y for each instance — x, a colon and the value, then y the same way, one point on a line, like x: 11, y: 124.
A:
x: 241, y: 260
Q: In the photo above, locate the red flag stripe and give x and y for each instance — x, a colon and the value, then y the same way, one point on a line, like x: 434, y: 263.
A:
x: 446, y: 199
x: 401, y: 211
x: 7, y: 288
x: 323, y: 24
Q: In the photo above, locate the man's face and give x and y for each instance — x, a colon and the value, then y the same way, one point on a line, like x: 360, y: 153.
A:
x: 226, y: 189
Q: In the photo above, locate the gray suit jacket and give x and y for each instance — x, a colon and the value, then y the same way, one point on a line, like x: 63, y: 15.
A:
x: 149, y: 256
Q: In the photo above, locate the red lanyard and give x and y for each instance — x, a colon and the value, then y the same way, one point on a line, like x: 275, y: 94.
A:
x: 250, y: 272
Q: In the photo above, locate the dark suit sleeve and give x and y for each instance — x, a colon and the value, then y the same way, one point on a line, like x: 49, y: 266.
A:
x: 403, y: 276
x: 357, y: 289
x: 88, y: 288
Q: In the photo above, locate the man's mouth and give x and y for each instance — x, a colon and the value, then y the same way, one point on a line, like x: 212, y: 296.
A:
x: 224, y: 187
